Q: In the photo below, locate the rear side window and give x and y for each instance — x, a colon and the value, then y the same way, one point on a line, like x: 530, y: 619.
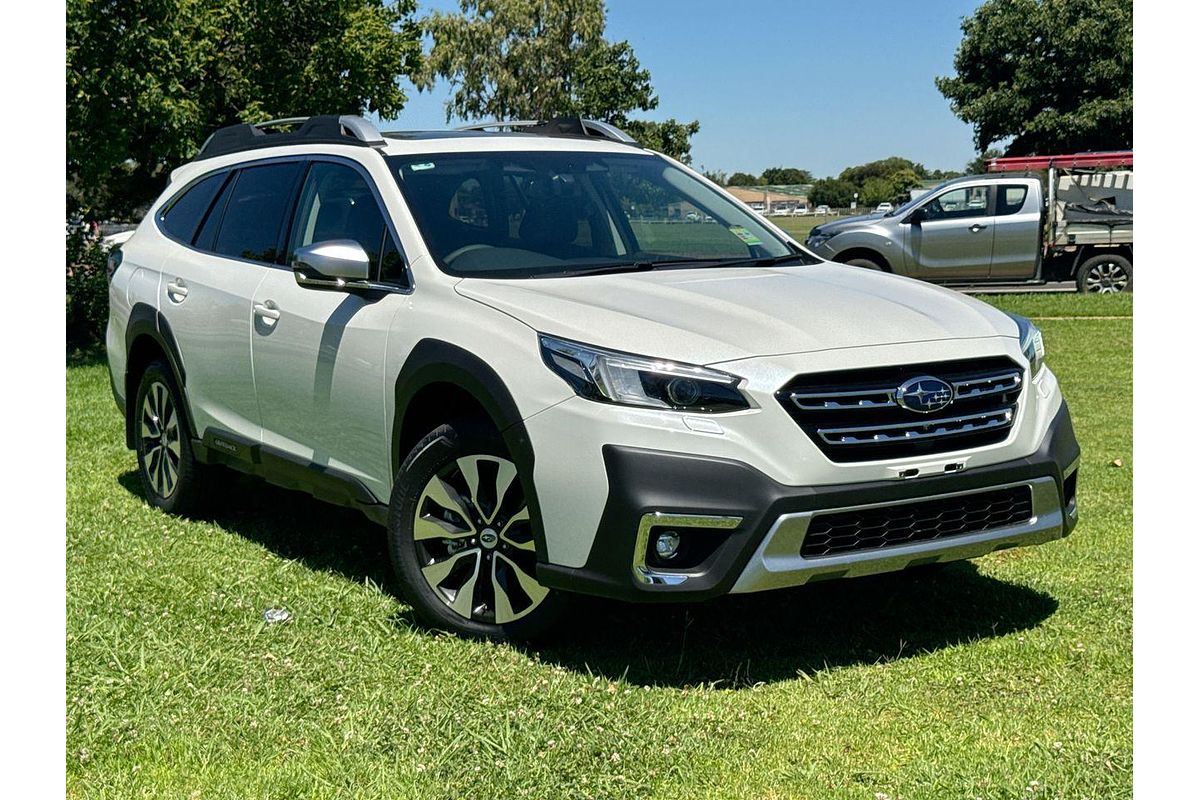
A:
x: 183, y: 217
x: 1010, y: 199
x: 255, y: 211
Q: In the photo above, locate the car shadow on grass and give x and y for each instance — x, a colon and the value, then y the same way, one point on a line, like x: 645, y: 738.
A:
x: 730, y: 642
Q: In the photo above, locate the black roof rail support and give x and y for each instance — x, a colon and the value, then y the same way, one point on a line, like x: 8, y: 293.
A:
x: 323, y: 129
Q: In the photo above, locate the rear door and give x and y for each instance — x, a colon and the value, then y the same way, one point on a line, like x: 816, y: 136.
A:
x: 953, y: 240
x: 1017, y: 238
x: 319, y: 354
x: 207, y: 286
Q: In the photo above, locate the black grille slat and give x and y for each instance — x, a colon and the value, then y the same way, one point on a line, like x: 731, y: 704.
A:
x: 852, y: 415
x: 919, y: 521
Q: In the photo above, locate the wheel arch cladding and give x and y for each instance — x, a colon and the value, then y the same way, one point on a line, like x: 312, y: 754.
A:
x: 148, y: 337
x: 439, y: 381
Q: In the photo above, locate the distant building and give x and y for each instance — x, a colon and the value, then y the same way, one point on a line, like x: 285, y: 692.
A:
x: 773, y: 199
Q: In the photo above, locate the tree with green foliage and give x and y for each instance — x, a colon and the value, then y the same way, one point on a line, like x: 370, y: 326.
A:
x: 978, y: 165
x: 149, y: 80
x: 785, y: 176
x: 744, y: 179
x: 832, y: 192
x: 718, y: 176
x: 881, y: 169
x: 540, y: 59
x: 1054, y: 76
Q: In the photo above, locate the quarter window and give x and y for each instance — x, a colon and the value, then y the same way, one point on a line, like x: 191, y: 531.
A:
x: 183, y: 217
x: 254, y: 214
x: 1010, y: 200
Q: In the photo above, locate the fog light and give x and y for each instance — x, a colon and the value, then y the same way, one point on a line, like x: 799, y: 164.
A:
x: 666, y: 545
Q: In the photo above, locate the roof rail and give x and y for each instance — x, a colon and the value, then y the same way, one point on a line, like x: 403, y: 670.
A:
x: 559, y: 126
x: 323, y: 129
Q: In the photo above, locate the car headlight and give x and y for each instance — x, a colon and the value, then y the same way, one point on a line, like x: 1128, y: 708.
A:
x: 1031, y: 343
x: 817, y: 237
x: 607, y: 376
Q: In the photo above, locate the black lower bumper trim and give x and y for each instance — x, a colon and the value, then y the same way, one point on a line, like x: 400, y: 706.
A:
x: 643, y: 481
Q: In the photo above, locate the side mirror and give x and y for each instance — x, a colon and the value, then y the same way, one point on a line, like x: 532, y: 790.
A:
x: 333, y: 264
x: 915, y: 216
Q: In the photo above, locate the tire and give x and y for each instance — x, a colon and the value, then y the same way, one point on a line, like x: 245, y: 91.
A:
x: 458, y: 521
x: 1107, y: 273
x: 171, y: 477
x: 865, y: 263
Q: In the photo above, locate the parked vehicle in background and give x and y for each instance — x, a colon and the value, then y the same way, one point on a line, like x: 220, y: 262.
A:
x: 821, y: 211
x: 782, y: 211
x: 1013, y: 226
x: 884, y: 208
x: 116, y: 239
x: 489, y: 344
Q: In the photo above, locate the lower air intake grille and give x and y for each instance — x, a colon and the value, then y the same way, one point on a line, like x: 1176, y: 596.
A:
x: 920, y: 521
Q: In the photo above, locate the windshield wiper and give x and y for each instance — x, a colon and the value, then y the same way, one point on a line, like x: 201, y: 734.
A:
x: 763, y: 261
x: 618, y: 267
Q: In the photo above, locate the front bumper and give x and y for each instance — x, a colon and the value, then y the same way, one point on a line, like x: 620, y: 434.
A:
x: 761, y: 523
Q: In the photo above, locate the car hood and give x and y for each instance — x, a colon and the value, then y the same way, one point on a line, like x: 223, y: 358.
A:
x: 839, y: 225
x: 709, y: 315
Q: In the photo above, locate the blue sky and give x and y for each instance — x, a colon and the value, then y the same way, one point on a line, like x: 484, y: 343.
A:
x: 819, y: 86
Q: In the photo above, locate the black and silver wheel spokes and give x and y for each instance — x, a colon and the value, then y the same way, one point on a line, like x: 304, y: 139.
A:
x: 474, y: 541
x: 1107, y: 277
x: 160, y: 440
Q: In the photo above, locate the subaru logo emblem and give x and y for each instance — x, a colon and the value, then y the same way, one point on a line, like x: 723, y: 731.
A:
x: 925, y: 394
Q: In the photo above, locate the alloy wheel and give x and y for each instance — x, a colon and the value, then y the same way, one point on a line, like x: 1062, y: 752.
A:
x: 1107, y: 277
x: 160, y: 439
x: 474, y: 540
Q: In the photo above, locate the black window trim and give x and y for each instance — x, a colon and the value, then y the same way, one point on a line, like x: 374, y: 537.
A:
x: 307, y: 159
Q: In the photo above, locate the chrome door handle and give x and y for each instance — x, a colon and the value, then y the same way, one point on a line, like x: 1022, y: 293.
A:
x: 177, y: 290
x: 267, y: 310
x: 976, y: 228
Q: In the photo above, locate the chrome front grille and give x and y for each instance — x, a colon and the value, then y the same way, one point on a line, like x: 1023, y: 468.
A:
x: 856, y: 415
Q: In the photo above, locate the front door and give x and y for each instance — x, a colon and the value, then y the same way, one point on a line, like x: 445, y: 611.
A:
x: 319, y: 354
x: 953, y: 239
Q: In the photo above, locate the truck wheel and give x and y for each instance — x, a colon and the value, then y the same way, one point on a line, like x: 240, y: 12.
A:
x: 865, y: 263
x: 1105, y: 274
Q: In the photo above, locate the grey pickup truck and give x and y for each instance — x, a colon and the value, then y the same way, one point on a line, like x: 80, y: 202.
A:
x: 1001, y: 228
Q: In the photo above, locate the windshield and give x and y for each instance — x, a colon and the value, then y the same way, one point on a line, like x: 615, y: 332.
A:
x: 525, y: 214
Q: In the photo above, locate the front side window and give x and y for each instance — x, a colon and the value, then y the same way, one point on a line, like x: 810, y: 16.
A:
x: 336, y: 202
x: 970, y: 201
x: 253, y: 218
x: 524, y: 214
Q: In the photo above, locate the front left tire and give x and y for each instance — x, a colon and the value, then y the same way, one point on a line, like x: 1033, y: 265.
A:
x: 461, y: 538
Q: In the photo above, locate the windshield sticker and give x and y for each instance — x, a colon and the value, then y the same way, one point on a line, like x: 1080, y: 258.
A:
x: 421, y: 166
x: 745, y: 235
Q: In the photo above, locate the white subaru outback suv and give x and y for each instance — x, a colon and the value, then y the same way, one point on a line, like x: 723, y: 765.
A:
x: 510, y: 348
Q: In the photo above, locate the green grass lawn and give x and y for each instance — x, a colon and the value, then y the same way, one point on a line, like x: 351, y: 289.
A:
x: 1008, y: 677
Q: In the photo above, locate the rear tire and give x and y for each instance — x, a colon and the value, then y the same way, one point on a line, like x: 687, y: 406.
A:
x: 460, y: 536
x: 171, y: 477
x: 1107, y: 273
